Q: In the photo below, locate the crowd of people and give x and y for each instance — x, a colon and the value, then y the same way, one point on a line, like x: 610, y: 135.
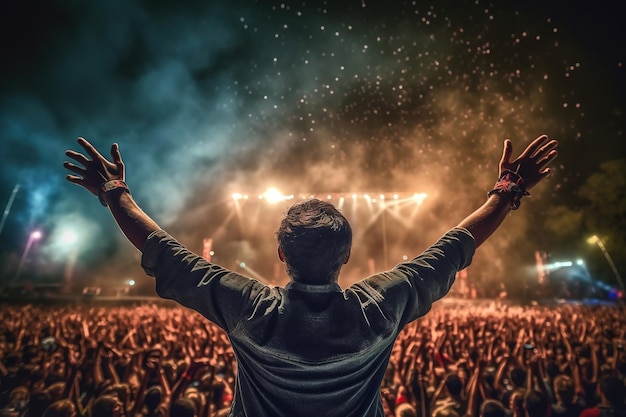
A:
x: 484, y: 359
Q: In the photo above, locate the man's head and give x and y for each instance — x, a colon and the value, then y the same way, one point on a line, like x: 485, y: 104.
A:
x: 314, y: 241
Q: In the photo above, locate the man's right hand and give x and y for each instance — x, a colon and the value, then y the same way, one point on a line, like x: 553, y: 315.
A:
x: 531, y: 165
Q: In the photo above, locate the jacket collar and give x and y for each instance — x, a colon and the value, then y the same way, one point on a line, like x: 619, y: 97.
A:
x: 332, y: 287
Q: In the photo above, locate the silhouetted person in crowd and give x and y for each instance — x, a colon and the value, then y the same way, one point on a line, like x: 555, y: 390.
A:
x: 18, y: 401
x: 310, y: 348
x: 536, y: 404
x: 107, y: 406
x: 183, y: 407
x: 567, y: 403
x: 612, y: 391
x: 38, y: 404
x: 61, y: 408
x: 492, y: 408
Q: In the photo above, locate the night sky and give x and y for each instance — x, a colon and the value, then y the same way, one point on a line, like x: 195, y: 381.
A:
x: 211, y: 98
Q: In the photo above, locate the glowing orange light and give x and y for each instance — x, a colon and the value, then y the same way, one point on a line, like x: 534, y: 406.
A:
x: 273, y: 196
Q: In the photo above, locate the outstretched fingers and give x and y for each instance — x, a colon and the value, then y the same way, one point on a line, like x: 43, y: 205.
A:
x: 77, y: 156
x: 116, y: 156
x: 507, y: 151
x: 546, y: 150
x: 87, y: 171
x: 89, y: 148
x: 74, y: 168
x: 548, y: 157
x: 78, y: 176
x: 540, y: 154
x: 543, y: 156
x: 74, y: 179
x: 534, y: 146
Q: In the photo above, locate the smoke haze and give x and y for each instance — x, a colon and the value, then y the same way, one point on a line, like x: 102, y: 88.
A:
x: 213, y: 98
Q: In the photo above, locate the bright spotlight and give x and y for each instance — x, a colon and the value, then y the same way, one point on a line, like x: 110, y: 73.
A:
x: 593, y: 240
x: 273, y: 196
x: 580, y: 262
x: 131, y: 282
x: 36, y: 235
x: 420, y: 197
x: 68, y: 237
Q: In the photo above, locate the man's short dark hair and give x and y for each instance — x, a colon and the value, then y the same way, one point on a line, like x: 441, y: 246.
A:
x: 315, y: 239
